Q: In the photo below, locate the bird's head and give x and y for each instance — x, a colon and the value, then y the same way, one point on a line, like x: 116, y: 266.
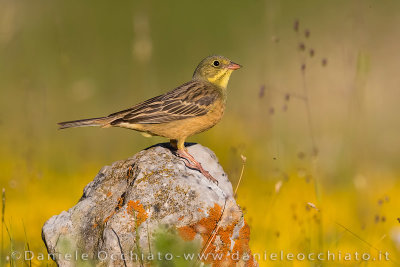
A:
x: 215, y: 69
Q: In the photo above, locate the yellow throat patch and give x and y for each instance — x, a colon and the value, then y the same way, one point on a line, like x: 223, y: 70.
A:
x: 221, y: 79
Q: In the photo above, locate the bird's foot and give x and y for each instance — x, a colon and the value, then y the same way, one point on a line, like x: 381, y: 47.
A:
x: 191, y: 163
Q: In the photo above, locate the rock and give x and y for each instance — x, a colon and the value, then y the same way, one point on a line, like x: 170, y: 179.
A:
x: 127, y: 202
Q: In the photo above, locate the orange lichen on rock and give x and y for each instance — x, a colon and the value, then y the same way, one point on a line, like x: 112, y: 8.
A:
x: 241, y: 246
x: 120, y: 202
x: 207, y: 225
x: 187, y: 232
x: 136, y: 209
x: 108, y: 217
x: 129, y: 172
x: 216, y: 237
x: 109, y: 194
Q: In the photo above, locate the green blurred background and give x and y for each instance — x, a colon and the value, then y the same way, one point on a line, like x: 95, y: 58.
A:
x: 325, y: 133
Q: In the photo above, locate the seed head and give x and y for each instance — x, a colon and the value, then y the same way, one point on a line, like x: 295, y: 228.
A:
x: 296, y: 25
x: 307, y: 33
x: 271, y: 111
x: 261, y: 93
x: 302, y: 46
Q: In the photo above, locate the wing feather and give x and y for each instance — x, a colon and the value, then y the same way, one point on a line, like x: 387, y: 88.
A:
x: 186, y: 101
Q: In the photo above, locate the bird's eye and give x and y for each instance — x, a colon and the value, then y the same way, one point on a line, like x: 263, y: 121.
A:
x: 216, y: 63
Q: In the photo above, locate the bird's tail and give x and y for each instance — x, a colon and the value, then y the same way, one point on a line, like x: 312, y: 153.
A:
x: 103, y: 122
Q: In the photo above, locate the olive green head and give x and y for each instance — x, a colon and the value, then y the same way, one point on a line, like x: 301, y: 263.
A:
x: 215, y: 69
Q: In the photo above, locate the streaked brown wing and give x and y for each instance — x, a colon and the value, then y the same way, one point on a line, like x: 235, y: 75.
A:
x: 186, y: 101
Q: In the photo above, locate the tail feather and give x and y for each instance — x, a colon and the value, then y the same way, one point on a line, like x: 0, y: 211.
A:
x: 103, y: 121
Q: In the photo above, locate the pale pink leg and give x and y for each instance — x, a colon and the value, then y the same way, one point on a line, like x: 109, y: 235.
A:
x: 191, y: 163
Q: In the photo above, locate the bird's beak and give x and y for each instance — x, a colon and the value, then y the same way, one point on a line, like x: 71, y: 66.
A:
x: 234, y: 66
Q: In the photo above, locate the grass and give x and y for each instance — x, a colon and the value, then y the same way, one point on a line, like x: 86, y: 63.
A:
x: 3, y: 210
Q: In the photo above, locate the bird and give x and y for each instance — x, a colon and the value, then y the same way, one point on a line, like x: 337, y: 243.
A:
x: 189, y: 109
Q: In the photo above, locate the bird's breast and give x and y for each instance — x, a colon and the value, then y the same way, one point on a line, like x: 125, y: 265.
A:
x: 202, y: 123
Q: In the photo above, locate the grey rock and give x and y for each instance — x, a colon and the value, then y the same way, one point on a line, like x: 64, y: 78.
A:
x: 128, y: 201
